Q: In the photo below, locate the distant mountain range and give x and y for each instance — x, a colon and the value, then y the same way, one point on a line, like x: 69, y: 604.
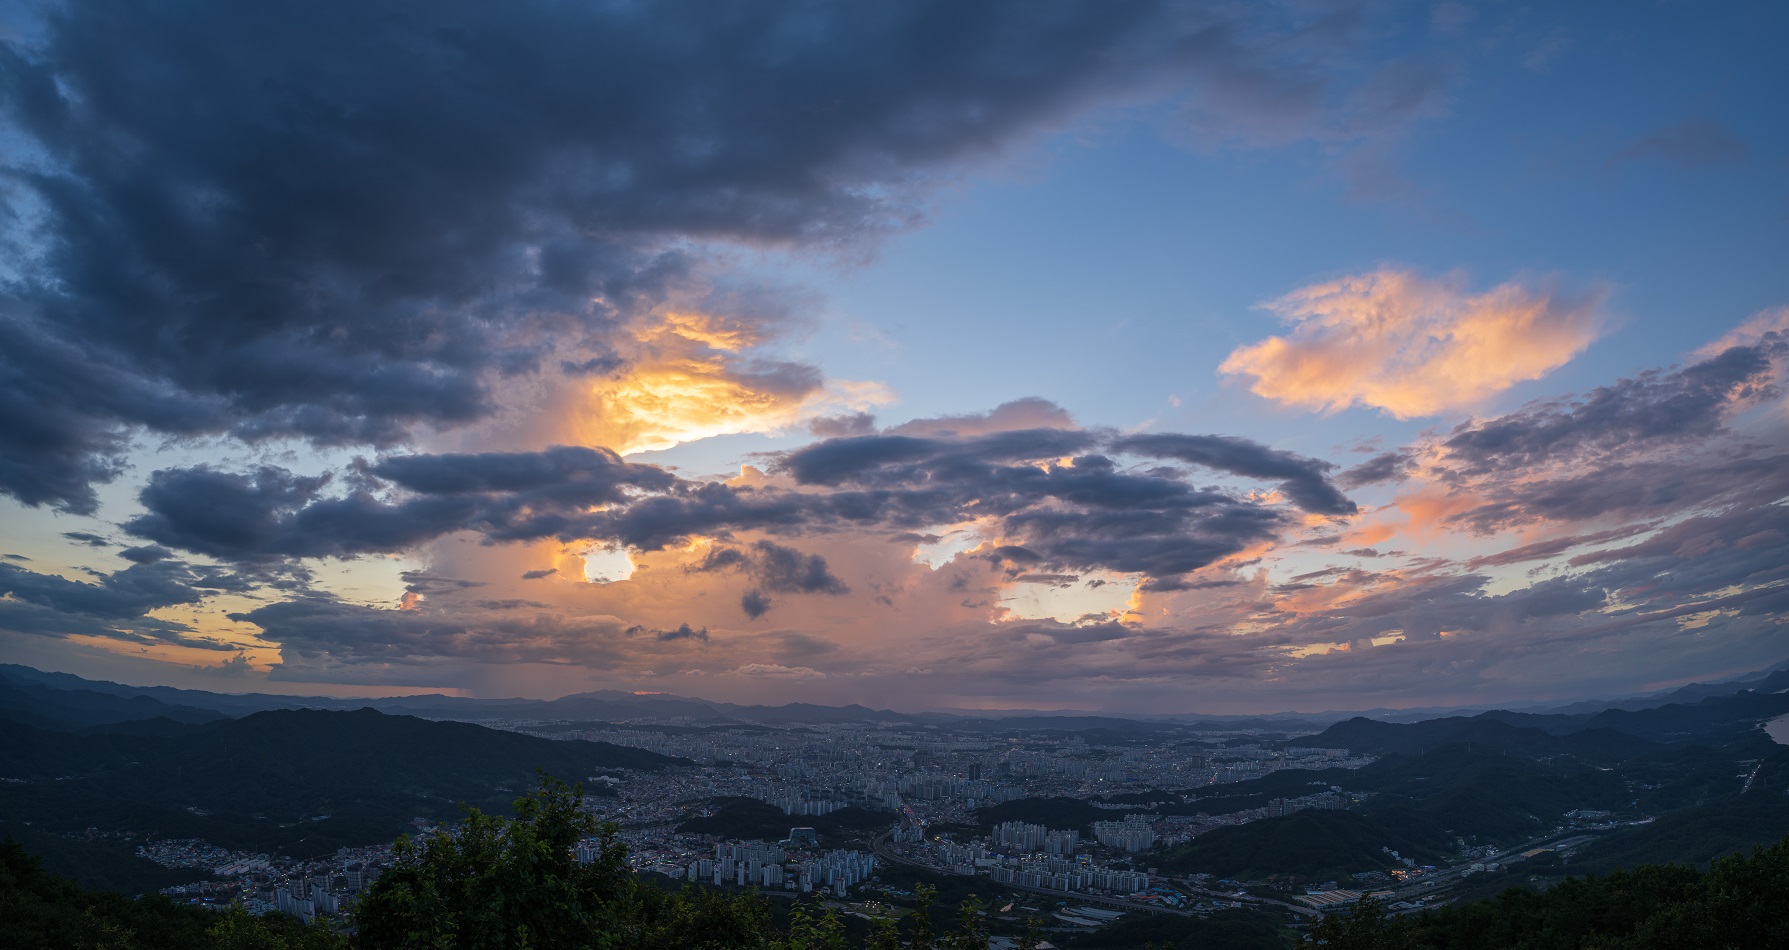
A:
x: 1609, y: 732
x: 68, y: 701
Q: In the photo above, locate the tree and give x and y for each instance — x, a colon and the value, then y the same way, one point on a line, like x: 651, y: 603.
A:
x: 922, y: 917
x: 517, y: 883
x: 811, y: 931
x: 1365, y: 926
x: 970, y: 934
x: 883, y: 935
x: 237, y: 929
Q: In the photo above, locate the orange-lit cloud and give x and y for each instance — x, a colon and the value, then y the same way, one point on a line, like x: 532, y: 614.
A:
x: 1412, y: 346
x: 693, y: 376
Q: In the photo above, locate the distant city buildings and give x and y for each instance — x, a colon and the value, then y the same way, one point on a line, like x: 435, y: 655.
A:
x: 921, y: 777
x: 1135, y: 833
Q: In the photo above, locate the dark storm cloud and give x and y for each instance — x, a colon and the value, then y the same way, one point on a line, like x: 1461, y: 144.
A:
x: 754, y: 603
x: 313, y: 625
x: 1081, y: 516
x: 429, y: 583
x: 683, y: 632
x: 1744, y: 543
x: 230, y: 667
x: 884, y: 459
x: 1637, y: 489
x: 569, y: 475
x: 341, y: 221
x: 1162, y: 543
x: 1306, y: 483
x: 1384, y: 467
x: 114, y: 608
x: 786, y: 570
x: 1647, y: 410
x: 272, y: 513
x: 1073, y: 512
x: 773, y: 568
x: 126, y: 594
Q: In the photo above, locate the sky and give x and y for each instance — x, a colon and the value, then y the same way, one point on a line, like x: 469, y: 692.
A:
x: 1136, y: 357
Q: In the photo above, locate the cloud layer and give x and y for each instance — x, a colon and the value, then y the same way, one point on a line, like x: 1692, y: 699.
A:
x: 374, y: 313
x: 350, y: 224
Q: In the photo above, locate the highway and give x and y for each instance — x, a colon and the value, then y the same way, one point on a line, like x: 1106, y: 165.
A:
x: 1429, y: 885
x: 1432, y: 884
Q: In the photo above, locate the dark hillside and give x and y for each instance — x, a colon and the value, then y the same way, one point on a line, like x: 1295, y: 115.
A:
x: 1307, y: 844
x: 47, y: 707
x: 304, y: 780
x: 1418, y: 805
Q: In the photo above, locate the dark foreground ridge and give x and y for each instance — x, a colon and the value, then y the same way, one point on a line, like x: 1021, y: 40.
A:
x: 499, y: 882
x: 297, y: 781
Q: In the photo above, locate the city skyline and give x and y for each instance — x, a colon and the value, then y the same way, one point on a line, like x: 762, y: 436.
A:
x: 1141, y: 358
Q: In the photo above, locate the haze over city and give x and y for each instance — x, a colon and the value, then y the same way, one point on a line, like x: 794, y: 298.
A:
x: 1126, y: 357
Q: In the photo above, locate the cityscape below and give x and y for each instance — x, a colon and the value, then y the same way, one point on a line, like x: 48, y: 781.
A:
x: 1078, y: 822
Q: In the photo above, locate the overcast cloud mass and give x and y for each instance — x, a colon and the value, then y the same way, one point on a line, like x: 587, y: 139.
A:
x: 1150, y: 357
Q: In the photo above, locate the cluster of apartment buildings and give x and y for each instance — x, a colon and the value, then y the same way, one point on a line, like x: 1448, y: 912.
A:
x: 755, y: 863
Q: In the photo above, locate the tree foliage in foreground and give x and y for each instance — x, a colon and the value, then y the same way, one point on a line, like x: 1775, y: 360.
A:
x: 43, y: 910
x: 517, y: 884
x: 1737, y: 903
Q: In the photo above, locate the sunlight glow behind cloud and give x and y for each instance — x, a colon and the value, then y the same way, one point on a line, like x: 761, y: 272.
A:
x: 693, y: 376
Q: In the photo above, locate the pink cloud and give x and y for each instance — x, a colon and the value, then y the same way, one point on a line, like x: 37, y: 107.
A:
x: 1413, y: 346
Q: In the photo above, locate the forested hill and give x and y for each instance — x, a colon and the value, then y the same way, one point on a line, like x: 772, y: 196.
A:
x: 1611, y: 733
x: 305, y: 781
x: 1737, y: 903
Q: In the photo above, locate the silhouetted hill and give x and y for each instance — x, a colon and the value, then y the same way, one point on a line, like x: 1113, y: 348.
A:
x: 105, y: 864
x: 304, y: 780
x: 1613, y: 734
x: 50, y: 708
x: 1736, y: 903
x: 1473, y: 792
x: 1712, y: 720
x: 1312, y: 844
x: 1730, y: 824
x: 1421, y: 805
x: 226, y: 704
